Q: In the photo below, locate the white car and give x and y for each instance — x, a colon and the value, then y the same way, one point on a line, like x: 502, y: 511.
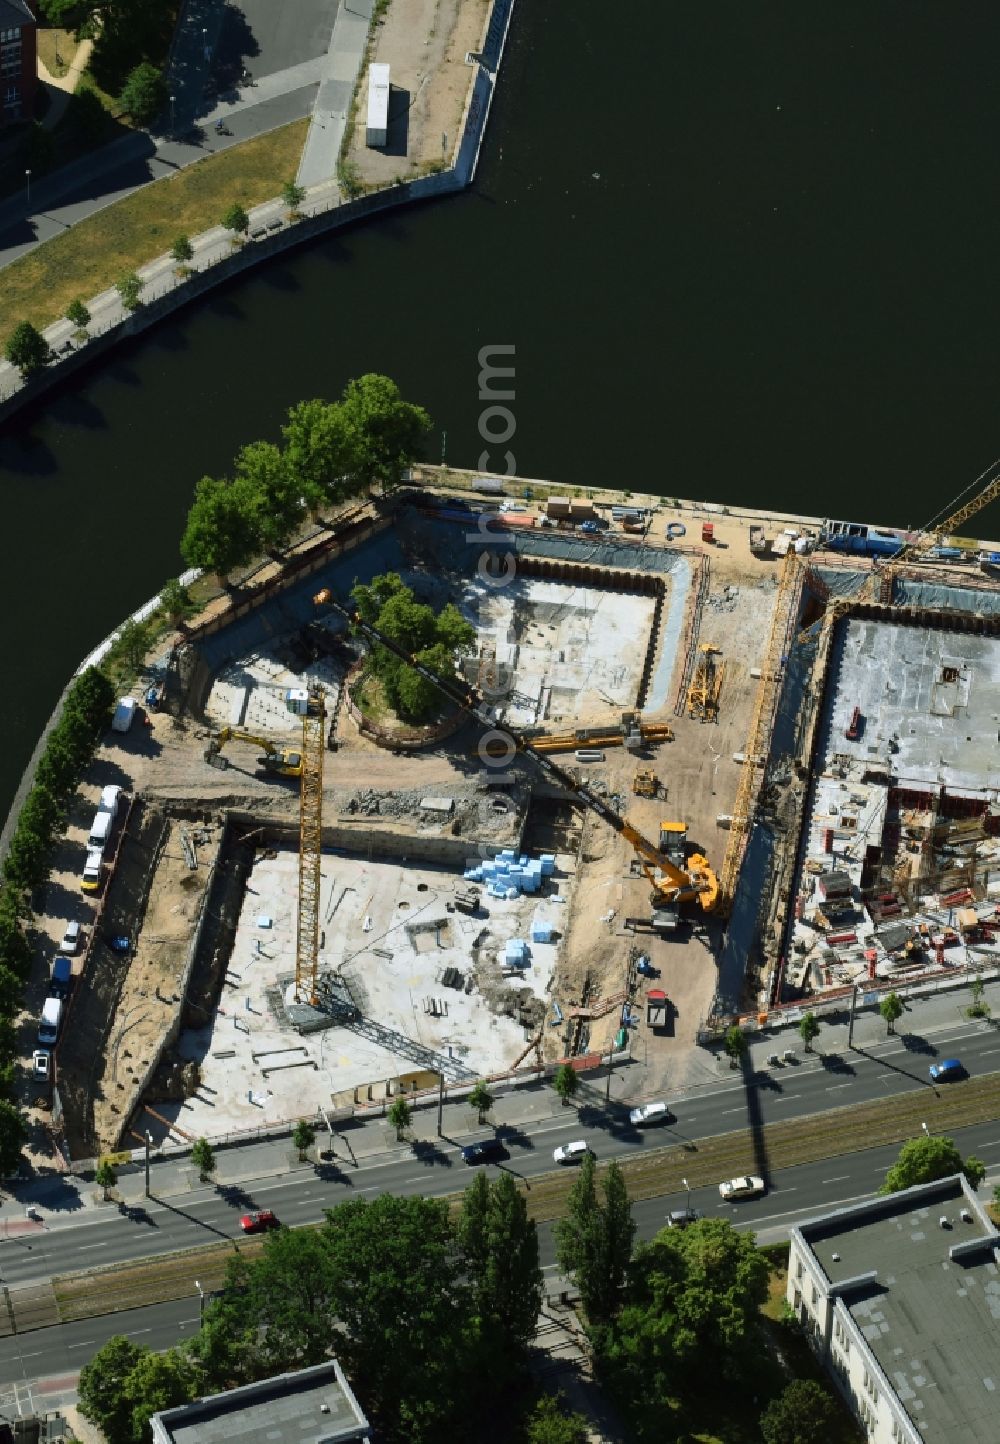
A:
x: 572, y: 1152
x: 41, y: 1065
x: 745, y: 1187
x: 70, y: 939
x: 649, y: 1115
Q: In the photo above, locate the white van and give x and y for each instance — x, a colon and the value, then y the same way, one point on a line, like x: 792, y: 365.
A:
x: 110, y: 796
x: 50, y: 1022
x: 100, y: 830
x: 124, y: 715
x: 91, y: 879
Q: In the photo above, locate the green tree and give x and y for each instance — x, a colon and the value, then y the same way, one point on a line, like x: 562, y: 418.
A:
x: 390, y: 431
x: 689, y: 1319
x: 156, y: 1382
x: 594, y: 1238
x: 63, y: 14
x: 550, y: 1423
x: 105, y: 1177
x: 132, y: 641
x: 481, y: 1099
x: 978, y: 1008
x: 891, y: 1008
x: 303, y: 1138
x: 566, y: 1081
x: 219, y: 534
x: 91, y: 699
x: 85, y: 116
x: 499, y: 1246
x: 236, y: 220
x: 13, y: 1136
x: 176, y: 600
x: 809, y: 1029
x: 77, y: 312
x: 397, y: 1276
x: 290, y: 1298
x: 924, y: 1159
x: 274, y: 503
x: 26, y: 863
x: 735, y: 1043
x: 431, y: 637
x: 181, y: 250
x: 203, y: 1158
x: 400, y: 1116
x: 27, y: 349
x: 11, y: 991
x: 101, y: 1389
x: 129, y: 288
x: 292, y: 195
x: 321, y: 449
x: 803, y: 1413
x: 144, y: 93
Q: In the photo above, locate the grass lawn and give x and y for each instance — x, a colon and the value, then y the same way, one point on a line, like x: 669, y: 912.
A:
x: 52, y: 43
x: 92, y: 255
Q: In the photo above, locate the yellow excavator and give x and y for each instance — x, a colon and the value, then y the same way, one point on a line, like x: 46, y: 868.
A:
x: 276, y: 760
x: 675, y: 876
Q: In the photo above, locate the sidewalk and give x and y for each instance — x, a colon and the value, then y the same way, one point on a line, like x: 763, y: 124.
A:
x: 354, y: 1144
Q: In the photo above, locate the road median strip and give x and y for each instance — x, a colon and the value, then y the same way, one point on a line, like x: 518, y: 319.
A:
x: 840, y: 1131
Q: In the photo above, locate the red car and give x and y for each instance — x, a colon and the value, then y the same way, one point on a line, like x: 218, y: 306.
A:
x: 259, y: 1221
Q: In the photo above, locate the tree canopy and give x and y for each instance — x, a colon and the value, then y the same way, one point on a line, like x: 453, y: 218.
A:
x: 144, y: 93
x: 432, y: 637
x: 594, y: 1238
x: 803, y: 1413
x: 27, y: 349
x: 925, y: 1159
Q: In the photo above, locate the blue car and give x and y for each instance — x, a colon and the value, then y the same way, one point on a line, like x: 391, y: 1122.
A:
x: 589, y: 526
x: 947, y: 1070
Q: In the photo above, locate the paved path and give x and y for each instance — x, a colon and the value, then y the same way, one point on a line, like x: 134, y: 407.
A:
x: 340, y: 71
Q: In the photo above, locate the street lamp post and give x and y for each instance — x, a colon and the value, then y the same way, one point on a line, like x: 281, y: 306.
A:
x: 201, y: 1302
x: 149, y: 1139
x: 27, y: 181
x: 926, y: 1129
x: 173, y: 115
x: 688, y: 1187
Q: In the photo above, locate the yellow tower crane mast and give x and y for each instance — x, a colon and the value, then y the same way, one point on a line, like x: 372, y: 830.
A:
x: 311, y: 708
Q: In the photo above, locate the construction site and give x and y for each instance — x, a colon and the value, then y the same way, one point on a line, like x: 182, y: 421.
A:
x: 689, y: 772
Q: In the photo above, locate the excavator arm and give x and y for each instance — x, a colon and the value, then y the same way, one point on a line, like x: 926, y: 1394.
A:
x: 670, y: 883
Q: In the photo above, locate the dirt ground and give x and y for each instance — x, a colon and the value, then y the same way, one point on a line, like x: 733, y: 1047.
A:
x: 699, y: 779
x: 425, y: 42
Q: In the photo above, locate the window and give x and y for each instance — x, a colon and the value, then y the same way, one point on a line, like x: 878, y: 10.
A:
x: 798, y: 1269
x: 9, y: 35
x: 10, y: 60
x: 12, y: 95
x: 870, y: 1386
x: 897, y: 1432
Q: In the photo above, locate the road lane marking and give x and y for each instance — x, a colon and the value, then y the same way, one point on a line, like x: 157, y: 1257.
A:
x: 839, y: 1179
x: 89, y: 1343
x: 85, y: 1246
x: 834, y: 1086
x: 741, y: 1109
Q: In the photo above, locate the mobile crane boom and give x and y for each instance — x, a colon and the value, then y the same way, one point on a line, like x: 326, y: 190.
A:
x: 671, y: 884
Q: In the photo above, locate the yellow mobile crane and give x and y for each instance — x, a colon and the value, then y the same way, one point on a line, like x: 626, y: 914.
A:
x: 307, y: 766
x: 674, y: 877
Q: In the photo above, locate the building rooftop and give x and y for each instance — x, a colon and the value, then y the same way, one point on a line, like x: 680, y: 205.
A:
x: 926, y: 1297
x: 310, y: 1406
x: 14, y: 14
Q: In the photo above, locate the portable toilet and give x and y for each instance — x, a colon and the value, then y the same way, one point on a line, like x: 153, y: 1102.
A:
x: 377, y: 127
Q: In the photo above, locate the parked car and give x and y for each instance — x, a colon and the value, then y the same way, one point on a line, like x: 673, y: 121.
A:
x: 259, y: 1221
x: 488, y: 1150
x: 41, y: 1065
x: 589, y: 527
x: 572, y: 1152
x: 61, y: 981
x: 947, y: 1070
x: 70, y: 939
x: 682, y: 1217
x: 649, y: 1115
x: 745, y: 1187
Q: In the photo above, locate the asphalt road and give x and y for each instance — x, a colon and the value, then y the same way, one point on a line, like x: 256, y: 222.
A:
x: 794, y: 1195
x: 96, y: 1237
